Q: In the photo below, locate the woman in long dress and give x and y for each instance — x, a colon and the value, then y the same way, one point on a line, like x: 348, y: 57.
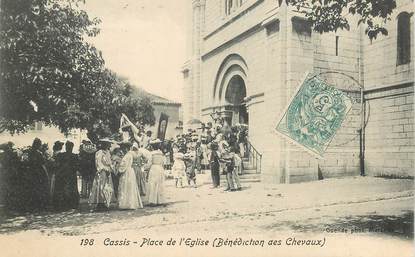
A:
x: 66, y: 195
x: 205, y: 154
x: 138, y: 162
x: 102, y: 192
x: 57, y: 149
x: 155, y: 186
x: 128, y: 193
x: 37, y: 178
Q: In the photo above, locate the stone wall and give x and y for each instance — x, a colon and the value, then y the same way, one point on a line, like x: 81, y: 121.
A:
x: 390, y: 145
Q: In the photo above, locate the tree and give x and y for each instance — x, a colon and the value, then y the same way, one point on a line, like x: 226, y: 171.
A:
x: 331, y: 15
x: 103, y: 119
x: 49, y: 73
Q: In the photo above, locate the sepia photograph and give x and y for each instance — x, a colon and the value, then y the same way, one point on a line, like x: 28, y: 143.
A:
x: 207, y: 128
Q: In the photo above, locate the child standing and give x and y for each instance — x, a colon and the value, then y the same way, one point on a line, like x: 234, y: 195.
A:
x: 178, y: 169
x: 229, y: 166
x: 116, y: 158
x: 190, y: 163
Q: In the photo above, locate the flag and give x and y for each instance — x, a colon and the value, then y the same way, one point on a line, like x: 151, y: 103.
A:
x: 125, y: 122
x: 161, y: 132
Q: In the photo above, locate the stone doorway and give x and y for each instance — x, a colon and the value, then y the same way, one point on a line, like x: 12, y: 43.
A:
x: 234, y: 97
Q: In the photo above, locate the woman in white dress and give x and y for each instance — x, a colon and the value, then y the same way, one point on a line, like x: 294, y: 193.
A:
x: 138, y: 162
x: 155, y: 185
x: 128, y: 193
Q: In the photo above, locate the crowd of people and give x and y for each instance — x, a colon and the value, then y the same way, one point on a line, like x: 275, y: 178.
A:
x: 121, y: 173
x: 217, y: 147
x: 129, y: 173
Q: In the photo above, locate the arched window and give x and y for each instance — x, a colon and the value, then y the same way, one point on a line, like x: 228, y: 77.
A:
x: 404, y: 38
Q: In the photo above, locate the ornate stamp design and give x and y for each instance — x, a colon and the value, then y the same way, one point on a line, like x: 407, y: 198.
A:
x: 314, y: 115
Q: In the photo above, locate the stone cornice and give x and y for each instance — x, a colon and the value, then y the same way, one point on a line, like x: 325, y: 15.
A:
x: 391, y: 86
x: 233, y: 18
x: 233, y: 40
x: 271, y: 16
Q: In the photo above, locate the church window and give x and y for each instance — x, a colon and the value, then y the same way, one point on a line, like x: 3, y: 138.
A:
x: 404, y: 38
x: 272, y: 27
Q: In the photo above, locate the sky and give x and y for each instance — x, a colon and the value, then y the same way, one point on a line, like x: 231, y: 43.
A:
x: 144, y: 41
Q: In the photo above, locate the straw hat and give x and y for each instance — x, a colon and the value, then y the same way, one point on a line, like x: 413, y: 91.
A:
x: 105, y: 140
x: 155, y: 141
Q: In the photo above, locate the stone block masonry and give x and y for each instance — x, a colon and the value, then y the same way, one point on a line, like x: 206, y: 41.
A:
x: 390, y: 144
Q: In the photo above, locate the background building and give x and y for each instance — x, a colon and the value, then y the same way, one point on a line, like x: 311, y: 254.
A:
x: 45, y: 133
x: 247, y: 57
x: 168, y: 107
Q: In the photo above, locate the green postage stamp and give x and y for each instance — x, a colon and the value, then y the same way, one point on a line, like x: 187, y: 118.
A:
x: 314, y: 114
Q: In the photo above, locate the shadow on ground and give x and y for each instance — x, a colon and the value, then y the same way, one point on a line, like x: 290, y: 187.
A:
x: 58, y: 221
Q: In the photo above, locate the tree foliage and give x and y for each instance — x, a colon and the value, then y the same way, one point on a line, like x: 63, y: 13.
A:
x: 331, y: 15
x: 49, y: 73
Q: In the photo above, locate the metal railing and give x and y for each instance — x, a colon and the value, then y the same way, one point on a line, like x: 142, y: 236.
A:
x: 254, y: 157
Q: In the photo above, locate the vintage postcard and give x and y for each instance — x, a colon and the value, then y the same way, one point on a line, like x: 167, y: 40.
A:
x: 207, y: 128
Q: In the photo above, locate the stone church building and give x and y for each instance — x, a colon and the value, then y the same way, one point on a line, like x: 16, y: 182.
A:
x: 247, y: 58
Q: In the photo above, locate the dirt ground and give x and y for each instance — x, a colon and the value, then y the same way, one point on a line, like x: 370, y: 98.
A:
x: 371, y: 211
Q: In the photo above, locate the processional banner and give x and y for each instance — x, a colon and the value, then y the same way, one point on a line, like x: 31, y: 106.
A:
x: 163, y: 121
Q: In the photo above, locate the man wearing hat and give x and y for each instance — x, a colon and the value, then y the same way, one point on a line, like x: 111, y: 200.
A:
x: 215, y: 164
x: 87, y: 152
x: 228, y: 167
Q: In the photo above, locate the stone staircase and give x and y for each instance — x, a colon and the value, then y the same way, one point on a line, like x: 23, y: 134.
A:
x: 249, y: 174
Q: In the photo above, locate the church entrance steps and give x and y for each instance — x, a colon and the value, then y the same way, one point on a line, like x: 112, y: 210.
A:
x: 247, y: 177
x: 249, y: 171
